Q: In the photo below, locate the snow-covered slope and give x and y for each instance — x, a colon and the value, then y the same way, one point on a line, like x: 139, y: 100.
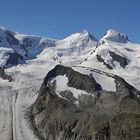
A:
x: 29, y: 58
x: 116, y: 57
x: 28, y: 46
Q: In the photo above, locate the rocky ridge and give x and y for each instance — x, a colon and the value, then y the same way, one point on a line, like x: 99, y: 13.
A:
x: 98, y: 115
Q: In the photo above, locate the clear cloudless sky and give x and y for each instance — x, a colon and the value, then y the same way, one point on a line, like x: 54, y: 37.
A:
x: 59, y: 18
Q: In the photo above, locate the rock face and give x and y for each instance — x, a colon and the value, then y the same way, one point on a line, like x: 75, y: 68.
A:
x: 126, y: 125
x: 100, y: 59
x: 122, y: 60
x: 4, y: 76
x: 11, y: 39
x: 13, y: 59
x: 114, y: 57
x: 75, y: 79
x: 97, y: 115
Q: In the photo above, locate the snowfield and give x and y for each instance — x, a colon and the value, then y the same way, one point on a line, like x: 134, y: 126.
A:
x: 61, y: 85
x: 100, y: 77
x: 129, y: 50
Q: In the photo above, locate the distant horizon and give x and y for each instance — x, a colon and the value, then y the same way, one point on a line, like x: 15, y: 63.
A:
x: 59, y: 19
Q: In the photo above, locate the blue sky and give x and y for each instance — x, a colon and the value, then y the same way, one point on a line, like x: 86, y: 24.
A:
x: 59, y: 18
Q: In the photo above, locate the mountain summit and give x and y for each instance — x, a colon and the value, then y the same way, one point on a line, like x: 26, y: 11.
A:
x: 115, y: 36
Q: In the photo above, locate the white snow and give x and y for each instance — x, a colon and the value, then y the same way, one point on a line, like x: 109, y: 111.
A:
x: 112, y: 35
x: 61, y: 85
x: 129, y: 50
x: 5, y: 110
x: 104, y: 80
x: 4, y: 55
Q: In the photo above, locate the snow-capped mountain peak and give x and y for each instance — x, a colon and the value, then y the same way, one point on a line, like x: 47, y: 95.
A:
x: 81, y: 35
x: 22, y: 47
x: 82, y: 40
x: 115, y: 36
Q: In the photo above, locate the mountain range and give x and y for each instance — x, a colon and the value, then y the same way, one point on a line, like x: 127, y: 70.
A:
x: 78, y: 88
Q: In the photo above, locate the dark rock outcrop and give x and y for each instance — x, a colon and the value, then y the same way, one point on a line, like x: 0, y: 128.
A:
x: 115, y: 57
x: 4, y: 76
x: 13, y: 59
x: 100, y: 59
x: 126, y: 124
x: 75, y: 79
x: 11, y: 39
x: 111, y: 116
x: 122, y: 60
x: 27, y: 42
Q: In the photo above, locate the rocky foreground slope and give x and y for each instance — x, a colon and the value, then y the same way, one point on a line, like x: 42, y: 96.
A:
x: 78, y: 88
x: 96, y: 114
